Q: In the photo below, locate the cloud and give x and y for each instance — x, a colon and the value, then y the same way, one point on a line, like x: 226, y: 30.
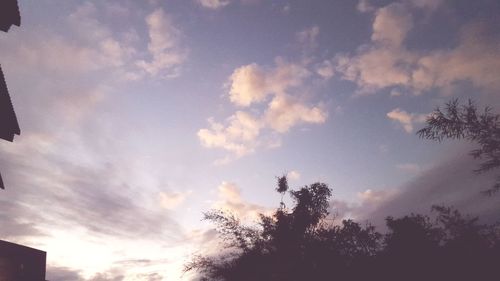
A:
x: 364, y: 6
x: 58, y: 273
x: 407, y: 120
x: 450, y: 183
x: 14, y: 225
x: 427, y: 4
x: 376, y: 67
x: 475, y: 59
x: 391, y: 24
x: 367, y: 201
x: 171, y: 200
x: 326, y: 69
x: 285, y: 112
x: 55, y: 273
x: 67, y: 161
x: 293, y: 175
x: 239, y: 136
x: 79, y: 197
x: 94, y: 46
x: 411, y: 168
x: 308, y: 38
x: 386, y: 62
x: 164, y: 46
x: 250, y: 85
x: 213, y: 4
x: 230, y: 199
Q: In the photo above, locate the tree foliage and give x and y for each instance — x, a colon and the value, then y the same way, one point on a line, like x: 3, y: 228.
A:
x: 301, y: 243
x: 457, y: 121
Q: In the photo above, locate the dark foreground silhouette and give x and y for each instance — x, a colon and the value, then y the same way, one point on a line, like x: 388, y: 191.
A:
x: 9, y: 15
x: 21, y: 263
x: 456, y: 121
x: 299, y: 243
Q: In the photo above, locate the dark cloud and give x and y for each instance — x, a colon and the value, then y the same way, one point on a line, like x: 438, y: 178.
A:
x: 106, y: 277
x: 151, y: 277
x: 135, y: 262
x: 55, y: 273
x: 451, y: 183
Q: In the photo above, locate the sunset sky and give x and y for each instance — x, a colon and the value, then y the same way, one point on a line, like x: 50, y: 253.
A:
x: 138, y: 116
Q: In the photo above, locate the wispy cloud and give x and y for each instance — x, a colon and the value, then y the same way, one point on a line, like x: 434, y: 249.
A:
x: 67, y: 175
x: 213, y: 4
x: 407, y: 120
x: 411, y: 168
x: 308, y: 38
x: 164, y: 46
x: 173, y: 199
x: 293, y: 175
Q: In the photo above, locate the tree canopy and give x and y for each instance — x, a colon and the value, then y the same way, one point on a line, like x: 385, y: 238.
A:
x: 457, y: 121
x: 302, y: 243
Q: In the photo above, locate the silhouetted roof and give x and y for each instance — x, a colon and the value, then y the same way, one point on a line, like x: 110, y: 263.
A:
x: 8, y: 121
x: 9, y: 14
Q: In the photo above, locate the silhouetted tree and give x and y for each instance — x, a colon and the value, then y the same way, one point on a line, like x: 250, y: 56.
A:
x: 466, y: 122
x: 300, y: 243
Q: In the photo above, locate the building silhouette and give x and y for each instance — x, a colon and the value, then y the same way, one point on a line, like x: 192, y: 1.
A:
x: 21, y: 263
x: 9, y: 15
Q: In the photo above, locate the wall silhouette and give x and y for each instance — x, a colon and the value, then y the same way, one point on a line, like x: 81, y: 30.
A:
x: 9, y: 15
x: 21, y: 263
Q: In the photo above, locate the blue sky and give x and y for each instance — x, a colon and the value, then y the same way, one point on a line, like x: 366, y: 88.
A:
x: 137, y: 116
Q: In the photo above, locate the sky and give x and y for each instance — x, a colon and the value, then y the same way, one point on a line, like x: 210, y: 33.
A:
x: 138, y: 116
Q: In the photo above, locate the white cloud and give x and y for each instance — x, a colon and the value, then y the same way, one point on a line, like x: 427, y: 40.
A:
x: 293, y: 175
x: 392, y: 24
x: 248, y: 85
x: 239, y: 136
x: 213, y: 4
x: 386, y: 62
x: 172, y: 199
x: 367, y: 201
x: 251, y: 84
x: 164, y: 46
x: 407, y: 120
x: 376, y: 68
x: 475, y: 59
x: 375, y: 197
x: 230, y: 199
x: 284, y: 112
